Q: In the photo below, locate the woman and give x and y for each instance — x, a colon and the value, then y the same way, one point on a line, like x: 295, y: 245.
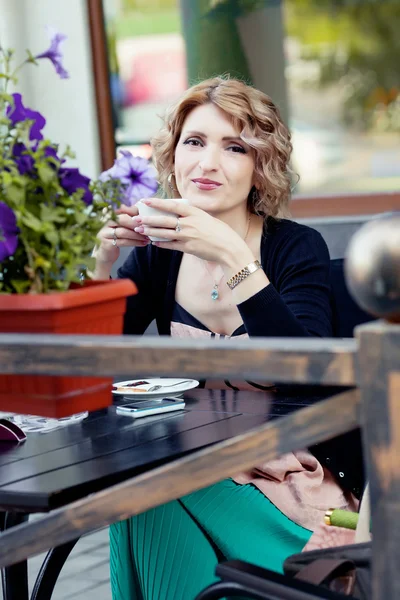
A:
x: 230, y: 267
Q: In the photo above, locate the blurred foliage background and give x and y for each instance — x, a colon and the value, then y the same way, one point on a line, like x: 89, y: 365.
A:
x: 354, y: 45
x: 145, y: 17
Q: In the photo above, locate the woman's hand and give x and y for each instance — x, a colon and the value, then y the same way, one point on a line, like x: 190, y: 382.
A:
x: 200, y: 234
x: 115, y: 235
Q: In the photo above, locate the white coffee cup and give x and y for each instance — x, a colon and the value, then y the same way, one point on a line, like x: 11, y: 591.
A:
x: 150, y: 211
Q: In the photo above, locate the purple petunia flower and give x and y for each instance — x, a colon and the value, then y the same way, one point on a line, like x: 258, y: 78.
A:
x: 72, y: 180
x: 24, y: 161
x: 19, y: 113
x: 8, y: 231
x: 136, y: 173
x: 54, y: 53
x: 51, y: 151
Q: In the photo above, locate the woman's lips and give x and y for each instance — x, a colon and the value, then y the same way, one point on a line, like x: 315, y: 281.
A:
x: 206, y: 184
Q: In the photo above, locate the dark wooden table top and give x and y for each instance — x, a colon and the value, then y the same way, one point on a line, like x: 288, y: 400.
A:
x: 50, y: 470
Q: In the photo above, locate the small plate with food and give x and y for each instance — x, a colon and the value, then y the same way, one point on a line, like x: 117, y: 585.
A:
x: 154, y: 387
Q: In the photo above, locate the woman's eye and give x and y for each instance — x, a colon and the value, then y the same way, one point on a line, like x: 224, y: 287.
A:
x: 237, y: 149
x: 192, y: 142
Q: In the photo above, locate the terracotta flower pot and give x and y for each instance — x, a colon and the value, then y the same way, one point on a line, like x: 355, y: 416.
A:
x: 97, y: 307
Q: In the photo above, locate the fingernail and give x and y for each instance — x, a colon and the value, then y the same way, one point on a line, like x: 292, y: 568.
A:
x: 139, y: 229
x: 148, y: 202
x: 138, y: 220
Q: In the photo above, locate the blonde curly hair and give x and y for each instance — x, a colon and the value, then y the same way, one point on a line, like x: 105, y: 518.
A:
x: 257, y: 118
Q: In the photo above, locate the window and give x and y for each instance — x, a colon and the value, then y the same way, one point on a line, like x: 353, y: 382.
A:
x: 330, y: 65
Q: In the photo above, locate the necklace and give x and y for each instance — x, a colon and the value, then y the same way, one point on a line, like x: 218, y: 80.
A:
x: 215, y: 290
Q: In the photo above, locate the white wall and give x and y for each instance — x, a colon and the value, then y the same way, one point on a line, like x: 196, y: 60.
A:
x: 67, y: 104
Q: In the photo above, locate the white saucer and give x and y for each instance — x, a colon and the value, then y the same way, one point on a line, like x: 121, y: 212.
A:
x: 164, y: 392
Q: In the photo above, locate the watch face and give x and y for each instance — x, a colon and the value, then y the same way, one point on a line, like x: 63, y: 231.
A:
x: 252, y: 267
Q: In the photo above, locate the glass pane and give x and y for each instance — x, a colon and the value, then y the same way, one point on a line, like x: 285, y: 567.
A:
x: 343, y: 85
x: 330, y: 65
x: 148, y: 66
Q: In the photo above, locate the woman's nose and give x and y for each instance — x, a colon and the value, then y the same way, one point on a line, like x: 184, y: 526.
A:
x: 209, y: 160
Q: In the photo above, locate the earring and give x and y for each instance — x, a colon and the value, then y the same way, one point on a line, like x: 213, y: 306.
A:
x: 170, y: 184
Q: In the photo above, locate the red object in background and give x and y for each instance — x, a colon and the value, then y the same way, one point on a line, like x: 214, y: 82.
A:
x: 156, y: 77
x: 96, y: 307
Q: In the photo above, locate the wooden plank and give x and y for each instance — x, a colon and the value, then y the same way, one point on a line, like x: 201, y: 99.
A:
x: 101, y: 76
x: 331, y: 205
x: 301, y: 429
x: 291, y: 360
x: 380, y: 413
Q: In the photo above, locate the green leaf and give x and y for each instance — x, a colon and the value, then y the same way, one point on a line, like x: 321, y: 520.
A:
x: 89, y: 263
x: 7, y: 178
x: 46, y: 173
x: 32, y: 222
x: 3, y: 120
x: 51, y: 214
x: 21, y: 287
x: 8, y: 98
x: 68, y: 153
x: 31, y: 58
x: 15, y: 193
x: 81, y: 217
x: 52, y: 236
x: 42, y: 263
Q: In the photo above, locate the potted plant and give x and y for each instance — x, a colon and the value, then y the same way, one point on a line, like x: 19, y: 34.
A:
x: 50, y: 215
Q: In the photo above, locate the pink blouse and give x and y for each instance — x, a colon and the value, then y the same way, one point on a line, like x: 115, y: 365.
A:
x: 296, y: 482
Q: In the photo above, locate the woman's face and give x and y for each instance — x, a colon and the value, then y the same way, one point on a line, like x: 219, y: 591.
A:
x: 214, y: 168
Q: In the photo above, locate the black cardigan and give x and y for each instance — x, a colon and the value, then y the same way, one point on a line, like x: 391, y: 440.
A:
x: 296, y: 303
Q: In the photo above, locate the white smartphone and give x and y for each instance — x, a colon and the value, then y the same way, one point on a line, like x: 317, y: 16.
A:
x: 151, y: 407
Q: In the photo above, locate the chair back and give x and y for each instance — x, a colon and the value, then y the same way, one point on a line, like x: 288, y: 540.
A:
x: 346, y: 313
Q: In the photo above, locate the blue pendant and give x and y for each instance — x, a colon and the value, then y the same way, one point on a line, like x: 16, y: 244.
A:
x: 214, y: 293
